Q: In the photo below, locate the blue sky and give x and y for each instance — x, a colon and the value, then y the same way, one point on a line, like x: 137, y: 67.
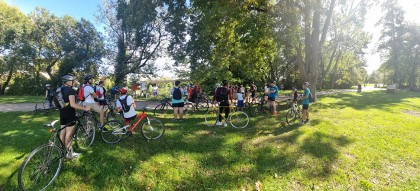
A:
x: 74, y: 8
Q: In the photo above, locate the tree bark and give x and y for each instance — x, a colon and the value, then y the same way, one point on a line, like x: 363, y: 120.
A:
x: 6, y: 83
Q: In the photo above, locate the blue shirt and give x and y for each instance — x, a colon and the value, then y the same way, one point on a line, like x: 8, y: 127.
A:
x: 273, y: 94
x: 306, y: 93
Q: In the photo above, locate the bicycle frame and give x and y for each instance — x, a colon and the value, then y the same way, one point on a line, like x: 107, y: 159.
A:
x: 142, y: 116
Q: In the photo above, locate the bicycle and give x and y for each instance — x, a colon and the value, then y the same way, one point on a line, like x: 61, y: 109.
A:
x: 201, y: 102
x: 165, y: 103
x: 114, y: 131
x: 238, y: 119
x: 44, y: 163
x: 110, y: 112
x: 294, y: 113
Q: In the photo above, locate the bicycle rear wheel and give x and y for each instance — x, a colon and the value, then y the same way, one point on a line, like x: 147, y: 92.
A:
x: 152, y: 129
x: 160, y: 110
x: 211, y: 117
x: 40, y: 168
x: 239, y: 119
x: 112, y: 132
x: 291, y: 117
x: 189, y: 109
x: 85, y: 134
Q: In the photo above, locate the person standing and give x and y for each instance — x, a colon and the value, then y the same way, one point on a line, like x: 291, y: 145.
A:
x: 49, y: 95
x: 223, y: 95
x: 90, y: 96
x: 68, y: 114
x: 240, y: 97
x: 273, y: 90
x: 177, y: 101
x: 305, y: 102
x: 155, y: 90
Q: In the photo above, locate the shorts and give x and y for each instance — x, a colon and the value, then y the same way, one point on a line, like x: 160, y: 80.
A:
x: 68, y: 116
x: 130, y: 118
x: 178, y: 104
x: 240, y: 103
x: 305, y: 106
x: 271, y: 99
x: 94, y: 107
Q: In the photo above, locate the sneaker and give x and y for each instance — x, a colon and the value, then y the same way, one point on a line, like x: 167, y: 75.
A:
x: 72, y: 155
x: 224, y: 124
x: 219, y: 123
x: 174, y: 119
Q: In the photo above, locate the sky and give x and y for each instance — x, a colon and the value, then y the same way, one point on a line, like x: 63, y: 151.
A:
x: 87, y: 9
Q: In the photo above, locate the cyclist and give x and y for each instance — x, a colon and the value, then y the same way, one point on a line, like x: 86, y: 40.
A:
x: 273, y: 90
x: 68, y: 114
x: 49, y: 95
x: 223, y: 95
x: 305, y: 103
x: 126, y: 105
x: 177, y: 101
x: 90, y: 95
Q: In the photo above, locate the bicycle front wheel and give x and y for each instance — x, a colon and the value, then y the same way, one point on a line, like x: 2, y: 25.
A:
x: 160, y: 110
x: 152, y: 129
x: 112, y: 132
x: 40, y: 168
x: 211, y: 118
x: 239, y: 119
x: 85, y: 134
x: 291, y: 117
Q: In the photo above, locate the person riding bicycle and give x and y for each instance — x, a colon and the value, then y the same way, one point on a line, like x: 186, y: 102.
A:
x: 126, y: 105
x: 49, y: 95
x: 223, y: 95
x: 91, y: 97
x: 68, y: 113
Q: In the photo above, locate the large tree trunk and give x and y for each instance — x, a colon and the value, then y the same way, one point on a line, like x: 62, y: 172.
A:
x: 6, y: 83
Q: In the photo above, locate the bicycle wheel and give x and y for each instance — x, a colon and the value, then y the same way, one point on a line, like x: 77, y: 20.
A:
x: 85, y: 134
x: 46, y: 104
x: 152, y: 129
x: 111, y: 115
x: 239, y: 119
x: 40, y: 168
x: 211, y: 117
x: 189, y: 109
x: 257, y: 109
x: 160, y: 110
x: 112, y: 132
x: 291, y: 117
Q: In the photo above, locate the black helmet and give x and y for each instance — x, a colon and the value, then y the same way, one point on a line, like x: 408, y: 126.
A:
x: 225, y: 82
x: 68, y: 78
x: 88, y: 77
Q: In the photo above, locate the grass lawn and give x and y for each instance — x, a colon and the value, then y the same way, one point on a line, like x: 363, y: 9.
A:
x: 21, y: 99
x: 367, y: 141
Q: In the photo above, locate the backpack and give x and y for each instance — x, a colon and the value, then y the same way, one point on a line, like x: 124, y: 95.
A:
x: 222, y: 94
x: 81, y: 93
x: 125, y: 107
x: 59, y: 98
x: 177, y: 94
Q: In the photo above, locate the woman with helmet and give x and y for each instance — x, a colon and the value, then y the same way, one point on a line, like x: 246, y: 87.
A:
x: 49, y: 94
x: 68, y: 113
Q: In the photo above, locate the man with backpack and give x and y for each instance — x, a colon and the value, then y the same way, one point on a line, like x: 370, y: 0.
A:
x: 88, y: 95
x: 306, y: 99
x: 177, y: 101
x: 127, y: 105
x: 223, y: 95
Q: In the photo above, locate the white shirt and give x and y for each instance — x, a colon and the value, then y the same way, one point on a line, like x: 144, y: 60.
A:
x: 130, y: 101
x: 155, y: 89
x: 101, y: 90
x: 266, y: 89
x: 88, y: 90
x: 242, y: 89
x: 240, y: 96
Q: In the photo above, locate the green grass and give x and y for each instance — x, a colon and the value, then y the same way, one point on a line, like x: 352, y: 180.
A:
x: 21, y: 99
x: 366, y: 141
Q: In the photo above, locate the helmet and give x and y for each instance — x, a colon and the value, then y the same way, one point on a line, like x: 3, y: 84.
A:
x: 273, y: 81
x: 48, y: 85
x: 68, y: 78
x: 306, y: 83
x: 88, y: 77
x: 218, y: 85
x: 123, y: 90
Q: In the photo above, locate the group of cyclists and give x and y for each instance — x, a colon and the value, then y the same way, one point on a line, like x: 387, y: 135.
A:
x: 90, y: 97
